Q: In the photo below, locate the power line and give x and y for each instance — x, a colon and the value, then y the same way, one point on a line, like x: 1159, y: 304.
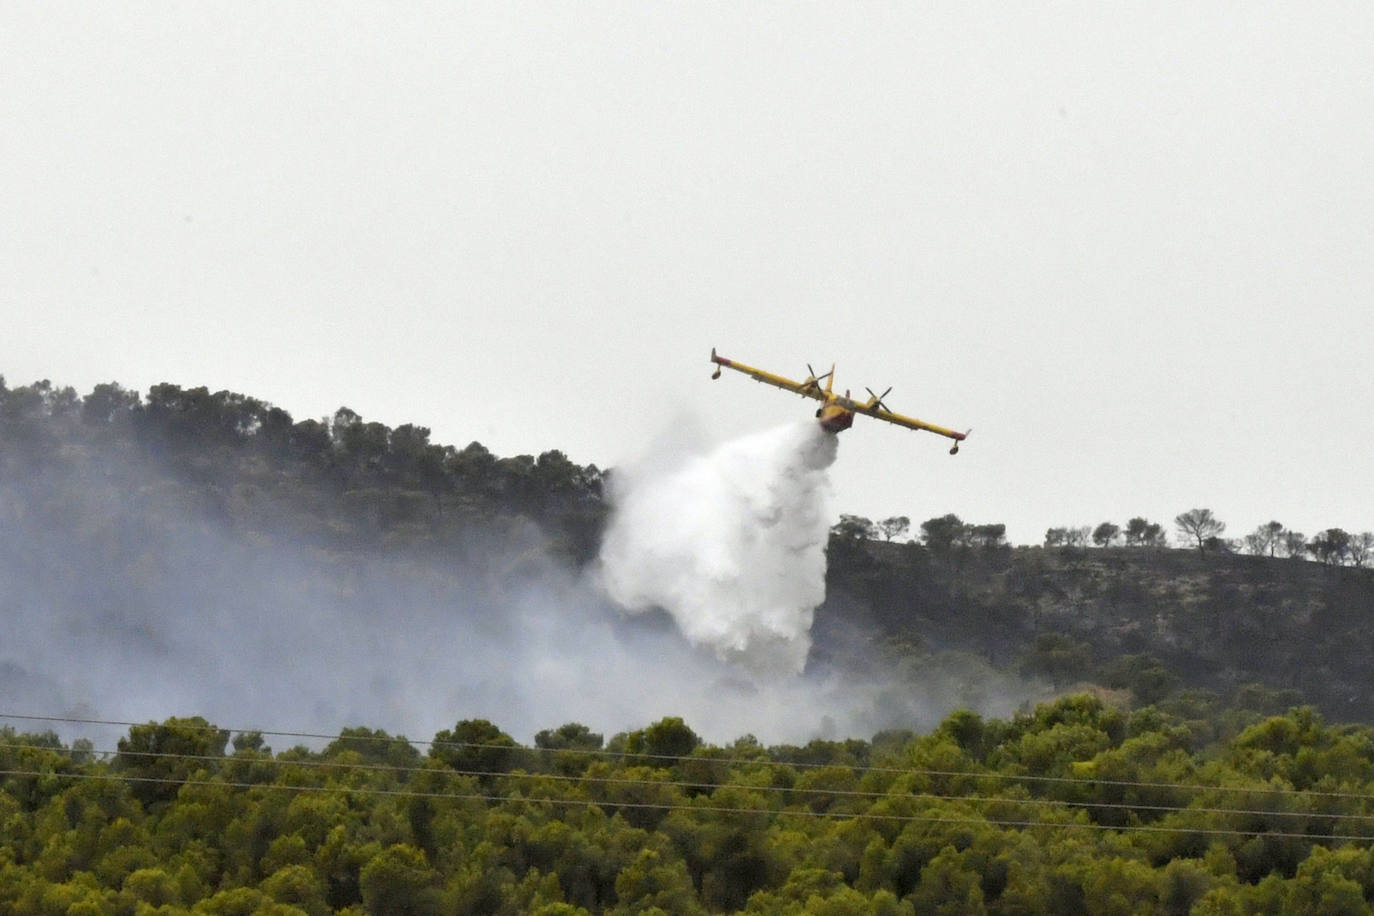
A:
x: 728, y: 761
x: 712, y: 809
x: 819, y: 792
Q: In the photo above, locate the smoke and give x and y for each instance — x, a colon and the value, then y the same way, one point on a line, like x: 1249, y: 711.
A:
x: 128, y: 593
x: 731, y: 544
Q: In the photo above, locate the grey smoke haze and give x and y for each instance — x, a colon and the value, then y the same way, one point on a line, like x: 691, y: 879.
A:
x: 119, y: 599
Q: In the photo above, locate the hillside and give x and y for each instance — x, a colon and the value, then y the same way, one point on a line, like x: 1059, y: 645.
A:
x: 1151, y: 619
x: 115, y: 506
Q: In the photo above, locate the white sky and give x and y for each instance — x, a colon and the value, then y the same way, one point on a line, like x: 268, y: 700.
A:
x: 1132, y: 245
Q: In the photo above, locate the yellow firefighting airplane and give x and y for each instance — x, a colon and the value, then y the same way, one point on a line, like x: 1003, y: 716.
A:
x: 836, y: 412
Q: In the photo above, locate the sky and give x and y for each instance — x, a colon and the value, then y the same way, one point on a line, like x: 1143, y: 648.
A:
x: 1128, y: 244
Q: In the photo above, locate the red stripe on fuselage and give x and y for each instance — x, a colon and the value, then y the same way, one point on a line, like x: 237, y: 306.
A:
x: 835, y: 421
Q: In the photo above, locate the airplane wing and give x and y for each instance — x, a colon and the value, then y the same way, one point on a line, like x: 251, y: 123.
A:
x: 809, y: 389
x: 879, y: 412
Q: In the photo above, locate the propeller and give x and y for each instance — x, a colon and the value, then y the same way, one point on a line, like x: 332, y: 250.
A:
x: 878, y: 398
x: 814, y: 379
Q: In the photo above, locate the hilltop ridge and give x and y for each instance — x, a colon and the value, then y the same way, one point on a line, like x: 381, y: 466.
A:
x: 113, y: 474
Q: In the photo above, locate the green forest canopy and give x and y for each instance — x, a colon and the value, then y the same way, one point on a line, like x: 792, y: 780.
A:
x: 1074, y: 807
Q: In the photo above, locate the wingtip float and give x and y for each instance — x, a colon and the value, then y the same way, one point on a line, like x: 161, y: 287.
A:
x: 837, y: 411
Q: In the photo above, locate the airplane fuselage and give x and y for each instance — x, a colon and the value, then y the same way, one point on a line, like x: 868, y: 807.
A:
x: 834, y: 418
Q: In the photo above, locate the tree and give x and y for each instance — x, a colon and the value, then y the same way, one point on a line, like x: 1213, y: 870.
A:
x: 1076, y: 536
x: 1141, y: 532
x: 152, y: 886
x: 1215, y: 544
x: 1295, y: 544
x: 250, y: 742
x: 1198, y: 525
x: 1331, y: 547
x: 1144, y: 675
x: 894, y: 527
x: 1135, y: 531
x: 108, y: 403
x: 1057, y: 656
x: 360, y: 447
x: 1361, y: 548
x: 474, y: 466
x: 847, y: 547
x: 573, y: 735
x: 668, y: 737
x: 475, y: 746
x: 941, y: 534
x: 374, y: 746
x: 1185, y: 882
x: 1118, y: 885
x: 399, y: 880
x: 853, y: 528
x: 414, y: 459
x: 650, y: 883
x: 1105, y: 533
x: 299, y: 886
x: 1265, y: 539
x: 1320, y: 887
x: 159, y: 757
x: 948, y: 885
x: 988, y: 537
x: 309, y: 440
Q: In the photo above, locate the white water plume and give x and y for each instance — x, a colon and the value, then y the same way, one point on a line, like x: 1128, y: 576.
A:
x: 731, y: 544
